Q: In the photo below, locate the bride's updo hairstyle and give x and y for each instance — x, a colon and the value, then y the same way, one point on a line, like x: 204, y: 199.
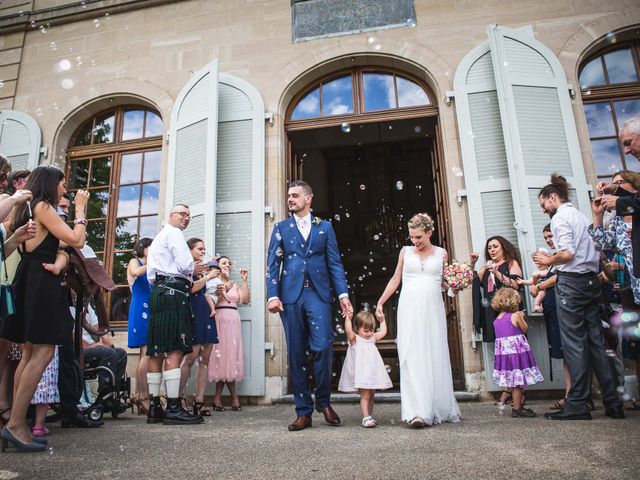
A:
x: 558, y: 185
x: 421, y: 221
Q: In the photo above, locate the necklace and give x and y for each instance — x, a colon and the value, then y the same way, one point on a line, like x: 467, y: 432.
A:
x: 423, y: 260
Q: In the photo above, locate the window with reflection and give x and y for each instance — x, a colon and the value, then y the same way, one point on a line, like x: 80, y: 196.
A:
x: 610, y: 89
x: 359, y: 91
x: 117, y: 156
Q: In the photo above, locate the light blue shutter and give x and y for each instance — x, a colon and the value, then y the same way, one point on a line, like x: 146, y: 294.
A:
x: 486, y: 172
x: 516, y: 127
x: 540, y: 133
x: 191, y: 175
x: 240, y: 212
x: 20, y: 139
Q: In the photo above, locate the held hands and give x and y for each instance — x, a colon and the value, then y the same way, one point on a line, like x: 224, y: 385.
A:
x: 347, y: 309
x: 380, y: 313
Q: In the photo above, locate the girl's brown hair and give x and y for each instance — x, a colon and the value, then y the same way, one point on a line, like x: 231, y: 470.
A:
x: 364, y: 320
x: 506, y: 300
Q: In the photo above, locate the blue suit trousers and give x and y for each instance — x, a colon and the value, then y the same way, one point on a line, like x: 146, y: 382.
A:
x: 308, y: 326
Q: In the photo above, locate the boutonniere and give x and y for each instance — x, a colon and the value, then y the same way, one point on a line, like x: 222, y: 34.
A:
x: 316, y: 220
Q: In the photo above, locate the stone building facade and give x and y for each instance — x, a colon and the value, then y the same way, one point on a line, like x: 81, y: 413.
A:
x: 231, y: 96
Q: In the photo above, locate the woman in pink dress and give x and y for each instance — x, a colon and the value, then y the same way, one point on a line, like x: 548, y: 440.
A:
x: 226, y: 365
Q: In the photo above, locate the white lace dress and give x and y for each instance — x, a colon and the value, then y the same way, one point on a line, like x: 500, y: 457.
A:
x: 426, y: 385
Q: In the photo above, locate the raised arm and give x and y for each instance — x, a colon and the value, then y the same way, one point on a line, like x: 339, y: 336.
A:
x: 348, y: 329
x: 50, y: 219
x: 391, y: 287
x: 380, y: 334
x: 245, y: 294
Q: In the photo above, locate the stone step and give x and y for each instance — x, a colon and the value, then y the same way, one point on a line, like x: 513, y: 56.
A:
x: 390, y: 397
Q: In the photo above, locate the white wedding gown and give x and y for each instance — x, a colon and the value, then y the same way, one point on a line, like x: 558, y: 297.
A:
x: 426, y: 386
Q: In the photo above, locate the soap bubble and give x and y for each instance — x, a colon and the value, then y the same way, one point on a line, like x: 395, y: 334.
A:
x: 362, y: 187
x: 345, y: 127
x: 399, y: 185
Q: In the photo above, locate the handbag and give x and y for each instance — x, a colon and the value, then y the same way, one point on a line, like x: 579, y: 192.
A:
x: 7, y: 296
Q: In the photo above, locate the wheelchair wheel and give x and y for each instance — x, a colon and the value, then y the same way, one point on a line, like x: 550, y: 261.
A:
x: 96, y: 413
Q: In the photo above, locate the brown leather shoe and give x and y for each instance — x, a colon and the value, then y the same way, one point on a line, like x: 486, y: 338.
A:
x: 330, y: 415
x: 300, y: 423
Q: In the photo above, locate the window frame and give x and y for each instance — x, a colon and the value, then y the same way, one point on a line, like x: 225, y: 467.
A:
x: 360, y: 115
x: 611, y: 93
x: 116, y: 151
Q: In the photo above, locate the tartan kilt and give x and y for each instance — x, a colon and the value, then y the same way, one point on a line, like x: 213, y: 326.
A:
x: 170, y: 319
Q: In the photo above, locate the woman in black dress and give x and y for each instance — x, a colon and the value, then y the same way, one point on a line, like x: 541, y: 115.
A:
x: 502, y: 269
x: 42, y: 317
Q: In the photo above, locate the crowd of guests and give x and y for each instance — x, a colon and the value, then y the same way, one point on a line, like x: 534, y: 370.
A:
x: 39, y: 363
x: 586, y: 287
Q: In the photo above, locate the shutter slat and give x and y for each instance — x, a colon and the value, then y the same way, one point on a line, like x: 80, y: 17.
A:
x: 235, y: 144
x: 190, y: 164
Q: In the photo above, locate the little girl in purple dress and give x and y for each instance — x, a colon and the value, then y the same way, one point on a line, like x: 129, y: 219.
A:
x: 514, y: 365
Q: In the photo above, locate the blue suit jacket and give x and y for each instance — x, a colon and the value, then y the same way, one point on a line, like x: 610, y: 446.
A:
x: 290, y: 258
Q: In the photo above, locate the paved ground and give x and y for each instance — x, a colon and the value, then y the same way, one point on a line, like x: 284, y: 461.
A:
x: 254, y: 443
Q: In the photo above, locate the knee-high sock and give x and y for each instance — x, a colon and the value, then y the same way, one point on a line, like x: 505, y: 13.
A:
x: 172, y: 382
x: 154, y: 380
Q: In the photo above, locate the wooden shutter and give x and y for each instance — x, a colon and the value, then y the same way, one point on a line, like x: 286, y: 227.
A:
x: 191, y: 173
x: 20, y: 139
x: 240, y: 213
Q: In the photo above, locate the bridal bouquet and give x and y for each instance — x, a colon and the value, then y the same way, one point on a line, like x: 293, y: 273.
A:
x: 458, y: 275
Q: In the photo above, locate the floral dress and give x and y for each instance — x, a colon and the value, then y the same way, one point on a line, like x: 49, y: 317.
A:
x: 616, y: 237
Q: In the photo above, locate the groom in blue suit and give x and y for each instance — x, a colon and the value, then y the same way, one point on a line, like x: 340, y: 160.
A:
x: 303, y: 264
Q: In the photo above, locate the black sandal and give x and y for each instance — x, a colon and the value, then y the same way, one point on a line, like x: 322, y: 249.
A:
x: 558, y: 405
x: 198, y: 409
x: 218, y: 408
x: 236, y: 408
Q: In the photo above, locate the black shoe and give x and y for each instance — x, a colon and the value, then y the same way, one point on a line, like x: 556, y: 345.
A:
x: 615, y: 412
x: 110, y: 405
x: 176, y: 415
x: 562, y: 415
x: 156, y: 413
x: 80, y: 421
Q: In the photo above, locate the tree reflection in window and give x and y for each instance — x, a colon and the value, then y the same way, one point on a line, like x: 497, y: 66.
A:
x: 124, y: 183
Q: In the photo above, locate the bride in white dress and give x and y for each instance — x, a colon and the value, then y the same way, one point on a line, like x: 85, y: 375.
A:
x: 426, y: 385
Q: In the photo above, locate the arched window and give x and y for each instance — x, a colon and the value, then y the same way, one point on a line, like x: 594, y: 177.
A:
x: 610, y: 88
x: 357, y: 92
x: 116, y: 155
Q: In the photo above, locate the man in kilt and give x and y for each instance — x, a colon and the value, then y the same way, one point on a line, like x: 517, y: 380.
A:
x: 169, y: 270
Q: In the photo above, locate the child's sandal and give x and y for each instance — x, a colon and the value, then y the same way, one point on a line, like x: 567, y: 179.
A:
x: 369, y: 422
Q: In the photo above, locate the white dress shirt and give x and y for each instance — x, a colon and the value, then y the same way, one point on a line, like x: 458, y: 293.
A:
x: 569, y: 228
x: 304, y: 225
x: 169, y: 255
